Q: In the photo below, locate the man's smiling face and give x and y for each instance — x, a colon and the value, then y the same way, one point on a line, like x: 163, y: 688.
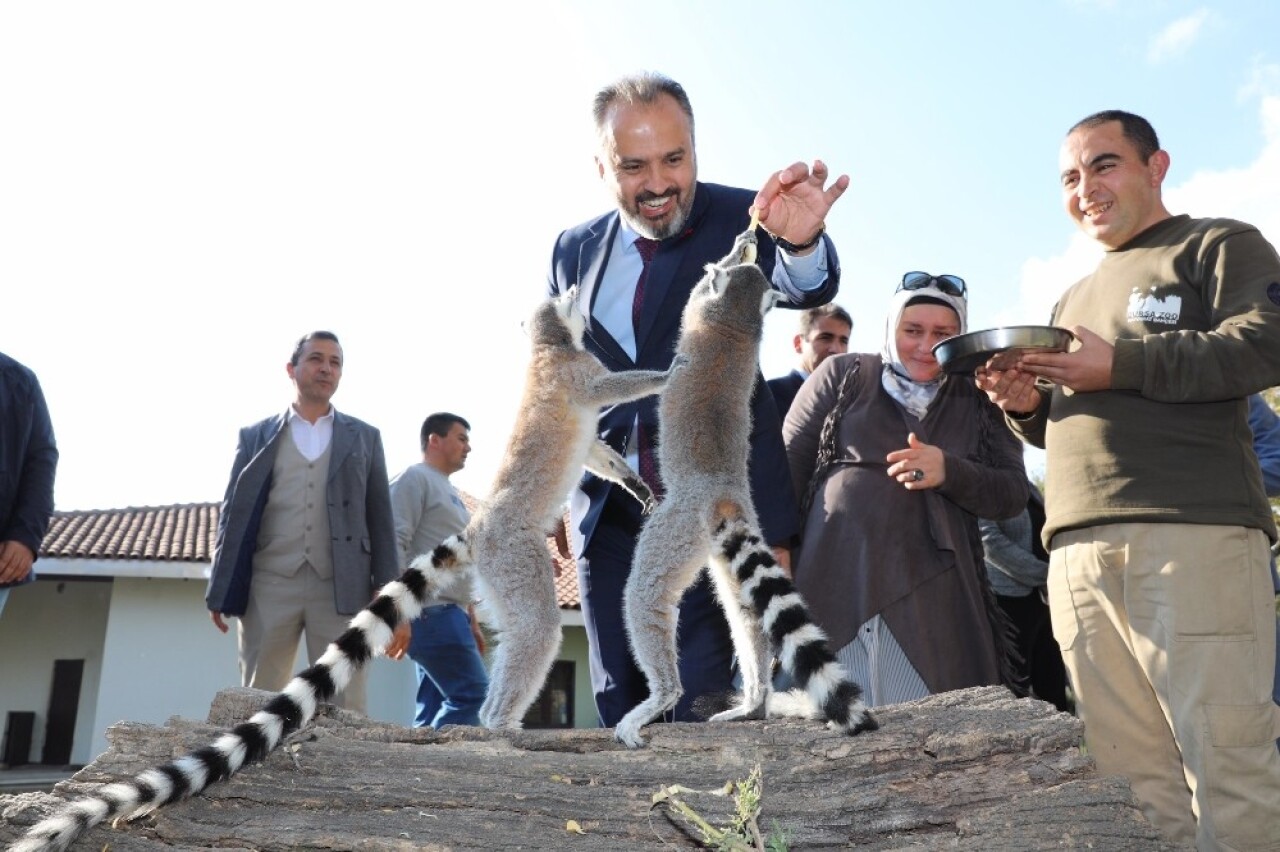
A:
x: 646, y: 159
x: 1106, y: 187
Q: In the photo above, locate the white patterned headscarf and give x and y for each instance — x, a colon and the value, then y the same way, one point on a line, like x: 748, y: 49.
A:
x: 914, y: 396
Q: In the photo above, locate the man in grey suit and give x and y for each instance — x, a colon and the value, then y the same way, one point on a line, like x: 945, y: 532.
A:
x: 306, y: 533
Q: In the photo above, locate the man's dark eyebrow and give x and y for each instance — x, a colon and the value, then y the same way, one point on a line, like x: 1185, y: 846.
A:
x: 674, y: 152
x: 1096, y: 161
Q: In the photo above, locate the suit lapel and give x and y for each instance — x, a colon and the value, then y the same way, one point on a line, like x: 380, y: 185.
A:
x: 657, y: 285
x: 593, y: 255
x: 341, y: 443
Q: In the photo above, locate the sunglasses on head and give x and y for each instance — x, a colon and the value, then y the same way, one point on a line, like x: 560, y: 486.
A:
x: 952, y: 285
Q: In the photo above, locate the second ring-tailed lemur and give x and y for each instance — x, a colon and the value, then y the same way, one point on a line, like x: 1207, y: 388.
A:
x: 553, y: 440
x: 707, y: 518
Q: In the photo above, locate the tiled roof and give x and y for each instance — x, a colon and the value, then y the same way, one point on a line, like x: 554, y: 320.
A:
x: 567, y: 595
x: 185, y: 533
x: 161, y: 533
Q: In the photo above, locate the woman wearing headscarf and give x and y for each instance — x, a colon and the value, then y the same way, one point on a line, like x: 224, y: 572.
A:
x: 895, y: 461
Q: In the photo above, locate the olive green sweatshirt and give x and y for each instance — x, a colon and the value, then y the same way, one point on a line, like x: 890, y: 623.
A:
x: 1193, y: 308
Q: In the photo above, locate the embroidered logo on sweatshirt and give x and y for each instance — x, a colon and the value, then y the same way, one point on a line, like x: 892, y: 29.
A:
x: 1148, y: 308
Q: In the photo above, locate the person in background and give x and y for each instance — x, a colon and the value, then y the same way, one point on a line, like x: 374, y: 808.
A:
x: 446, y: 642
x: 28, y: 462
x: 824, y: 331
x: 896, y: 461
x: 1018, y: 566
x: 1265, y: 426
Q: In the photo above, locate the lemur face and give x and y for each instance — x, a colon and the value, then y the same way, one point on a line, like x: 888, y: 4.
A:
x: 571, y: 315
x: 557, y: 321
x: 734, y: 292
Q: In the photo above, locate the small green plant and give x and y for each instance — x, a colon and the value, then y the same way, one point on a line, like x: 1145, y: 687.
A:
x: 742, y: 834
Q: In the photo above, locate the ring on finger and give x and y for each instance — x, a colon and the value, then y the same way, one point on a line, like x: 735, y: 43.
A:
x: 917, y: 475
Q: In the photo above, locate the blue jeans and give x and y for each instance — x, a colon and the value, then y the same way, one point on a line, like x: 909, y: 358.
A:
x: 452, y: 681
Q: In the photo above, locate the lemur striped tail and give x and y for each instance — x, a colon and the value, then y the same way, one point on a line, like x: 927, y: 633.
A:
x: 366, y: 637
x: 800, y: 644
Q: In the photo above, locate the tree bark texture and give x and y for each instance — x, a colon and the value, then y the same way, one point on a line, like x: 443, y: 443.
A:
x: 975, y: 770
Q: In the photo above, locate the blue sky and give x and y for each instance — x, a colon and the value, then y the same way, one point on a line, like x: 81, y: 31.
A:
x: 185, y: 188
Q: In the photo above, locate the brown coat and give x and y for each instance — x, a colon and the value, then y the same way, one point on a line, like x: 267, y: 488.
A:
x: 870, y: 546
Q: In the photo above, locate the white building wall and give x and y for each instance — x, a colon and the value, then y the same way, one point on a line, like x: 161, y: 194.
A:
x: 165, y: 658
x: 151, y: 652
x: 45, y: 621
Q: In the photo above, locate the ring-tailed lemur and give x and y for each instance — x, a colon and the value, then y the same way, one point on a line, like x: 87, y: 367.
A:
x: 553, y: 440
x: 706, y: 517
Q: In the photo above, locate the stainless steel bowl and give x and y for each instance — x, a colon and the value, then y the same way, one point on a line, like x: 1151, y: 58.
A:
x: 965, y: 353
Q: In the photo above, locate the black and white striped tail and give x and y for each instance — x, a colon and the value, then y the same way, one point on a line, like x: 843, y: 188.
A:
x: 366, y: 636
x: 800, y: 645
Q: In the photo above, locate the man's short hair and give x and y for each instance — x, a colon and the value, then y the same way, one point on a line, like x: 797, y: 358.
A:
x: 439, y: 424
x: 809, y: 318
x: 643, y: 88
x: 1135, y: 128
x: 306, y: 338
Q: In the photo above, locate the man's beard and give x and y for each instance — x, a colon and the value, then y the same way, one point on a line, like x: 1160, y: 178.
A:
x: 654, y: 230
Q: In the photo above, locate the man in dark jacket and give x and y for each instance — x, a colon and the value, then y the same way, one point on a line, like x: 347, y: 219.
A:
x: 28, y: 458
x: 635, y: 267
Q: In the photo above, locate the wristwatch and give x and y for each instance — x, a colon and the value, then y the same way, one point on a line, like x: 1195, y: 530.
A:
x: 794, y: 248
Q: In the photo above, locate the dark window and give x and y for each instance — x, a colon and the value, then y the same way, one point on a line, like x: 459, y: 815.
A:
x: 554, y: 707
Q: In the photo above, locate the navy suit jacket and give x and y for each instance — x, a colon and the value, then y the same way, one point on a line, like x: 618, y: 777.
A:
x: 28, y: 459
x: 719, y: 214
x: 784, y: 390
x: 361, y: 526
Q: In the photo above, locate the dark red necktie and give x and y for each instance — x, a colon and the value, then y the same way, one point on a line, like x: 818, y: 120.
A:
x: 648, y: 463
x: 647, y: 249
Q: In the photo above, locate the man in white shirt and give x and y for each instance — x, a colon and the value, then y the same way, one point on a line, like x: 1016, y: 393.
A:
x: 305, y: 533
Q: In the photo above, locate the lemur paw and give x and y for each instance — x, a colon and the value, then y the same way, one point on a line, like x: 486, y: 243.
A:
x: 679, y: 362
x: 740, y: 713
x: 628, y: 733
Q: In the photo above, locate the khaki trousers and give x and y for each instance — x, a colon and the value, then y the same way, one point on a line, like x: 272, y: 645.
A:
x: 280, y: 609
x: 1168, y: 633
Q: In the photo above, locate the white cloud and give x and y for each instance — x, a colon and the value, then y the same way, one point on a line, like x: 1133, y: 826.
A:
x: 1175, y: 39
x: 1251, y: 193
x: 1043, y: 280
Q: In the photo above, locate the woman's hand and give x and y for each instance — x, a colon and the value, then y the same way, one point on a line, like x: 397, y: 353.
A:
x: 919, y: 466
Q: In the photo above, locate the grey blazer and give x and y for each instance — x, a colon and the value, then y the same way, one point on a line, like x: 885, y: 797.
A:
x: 360, y: 520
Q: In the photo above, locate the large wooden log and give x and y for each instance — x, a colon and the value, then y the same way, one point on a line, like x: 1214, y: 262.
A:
x: 970, y: 770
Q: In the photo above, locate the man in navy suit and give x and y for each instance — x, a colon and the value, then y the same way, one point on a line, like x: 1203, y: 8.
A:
x: 824, y: 331
x: 306, y: 534
x: 647, y: 160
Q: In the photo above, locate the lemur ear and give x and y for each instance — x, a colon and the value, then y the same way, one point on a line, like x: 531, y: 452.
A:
x: 717, y: 279
x: 770, y: 298
x: 709, y: 273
